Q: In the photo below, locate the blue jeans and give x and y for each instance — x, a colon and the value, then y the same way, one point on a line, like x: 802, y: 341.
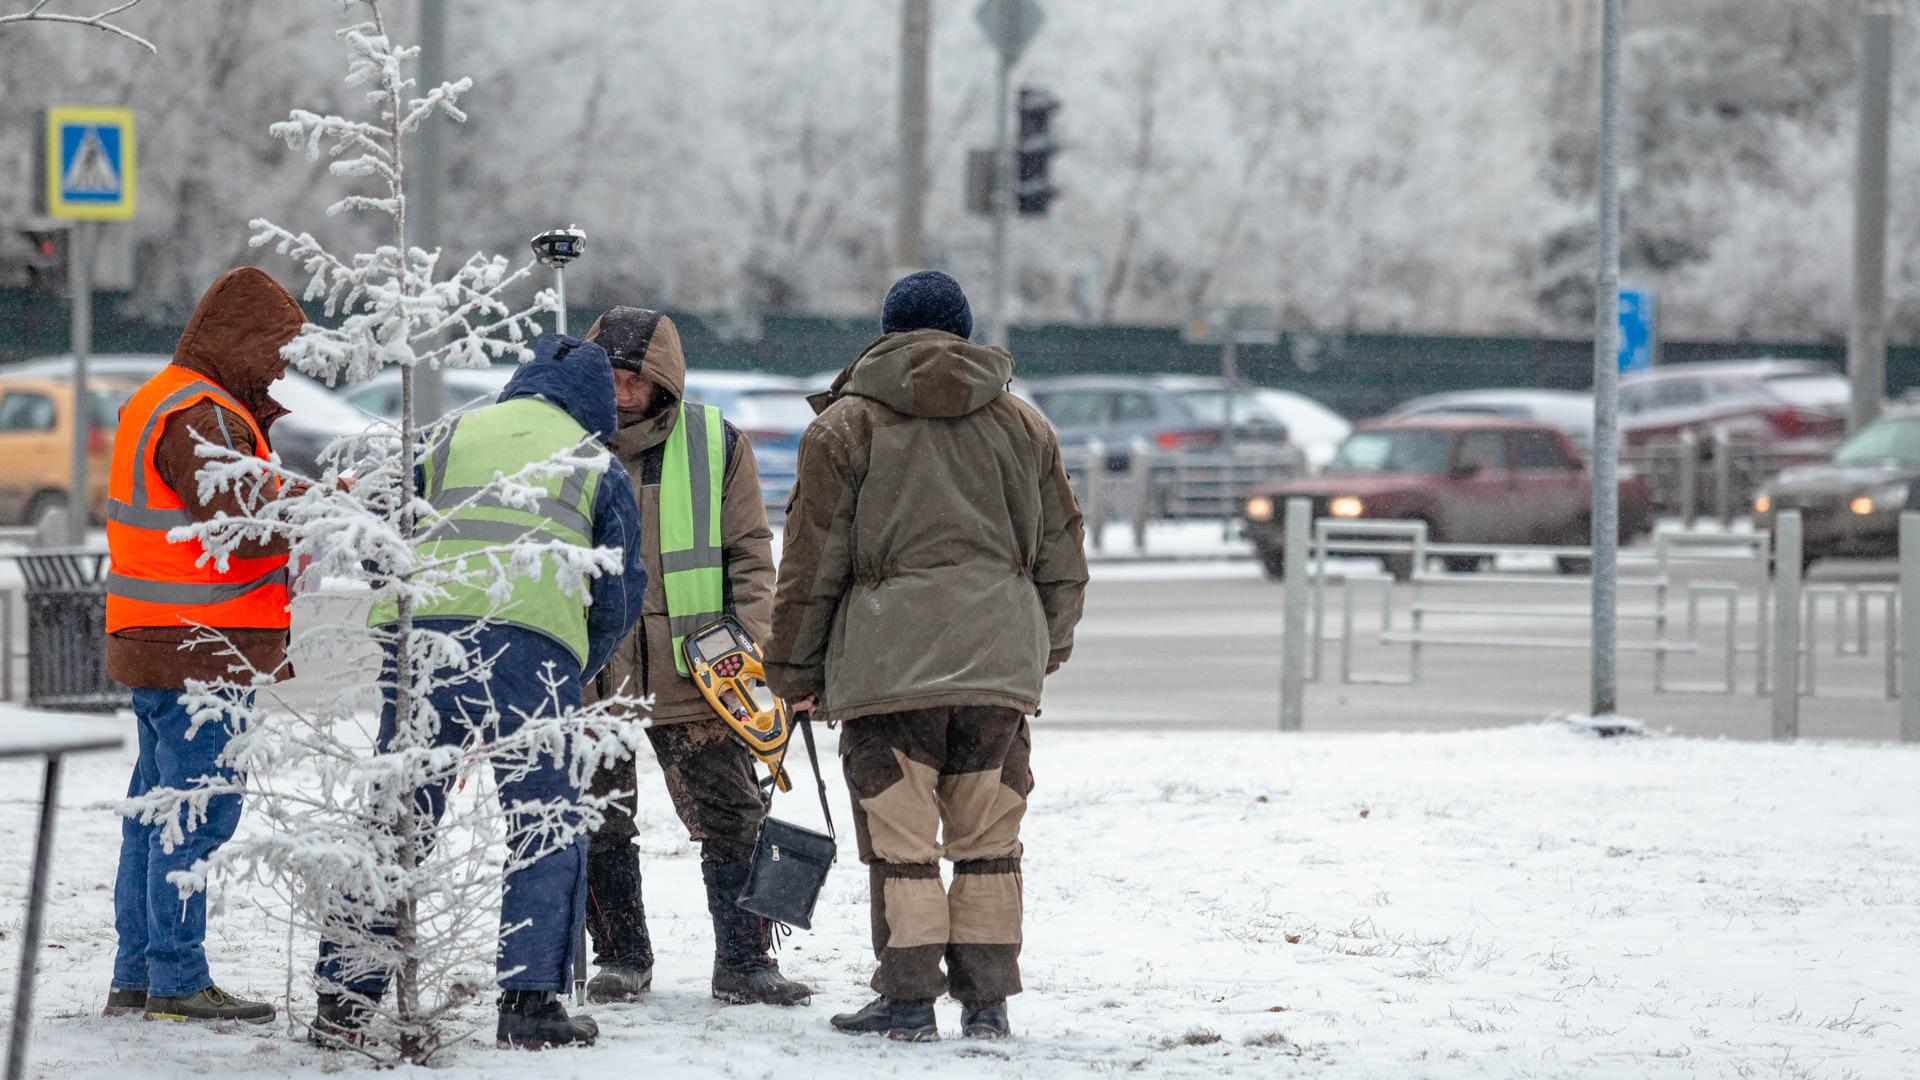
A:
x: 161, y: 935
x: 548, y: 899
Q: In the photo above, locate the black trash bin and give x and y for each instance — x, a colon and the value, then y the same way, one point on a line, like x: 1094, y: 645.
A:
x: 67, y: 632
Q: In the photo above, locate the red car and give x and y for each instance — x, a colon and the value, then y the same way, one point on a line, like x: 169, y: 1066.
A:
x: 1472, y: 479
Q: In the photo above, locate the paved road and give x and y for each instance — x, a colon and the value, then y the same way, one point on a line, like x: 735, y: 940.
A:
x: 1203, y: 651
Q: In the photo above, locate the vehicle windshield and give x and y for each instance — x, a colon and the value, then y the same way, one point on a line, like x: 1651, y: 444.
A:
x: 1408, y: 450
x: 1885, y: 440
x: 1210, y: 407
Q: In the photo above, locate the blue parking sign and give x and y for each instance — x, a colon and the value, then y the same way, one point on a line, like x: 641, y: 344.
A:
x: 1638, y: 312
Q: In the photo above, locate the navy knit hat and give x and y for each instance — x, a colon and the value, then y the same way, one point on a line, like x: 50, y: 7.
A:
x: 926, y: 300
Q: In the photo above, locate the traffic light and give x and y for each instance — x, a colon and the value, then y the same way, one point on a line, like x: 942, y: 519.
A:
x: 40, y: 259
x: 1035, y: 150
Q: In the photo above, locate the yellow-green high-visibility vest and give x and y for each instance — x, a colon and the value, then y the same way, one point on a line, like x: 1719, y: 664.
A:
x: 692, y: 568
x: 502, y: 439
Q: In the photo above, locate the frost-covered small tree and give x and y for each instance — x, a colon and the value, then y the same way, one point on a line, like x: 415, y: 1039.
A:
x: 351, y: 833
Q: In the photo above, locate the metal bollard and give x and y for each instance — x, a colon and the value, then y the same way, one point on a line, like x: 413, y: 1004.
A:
x: 1293, y: 655
x: 1910, y: 626
x: 1140, y: 480
x: 1786, y: 625
x: 6, y: 646
x: 1095, y: 512
x: 1689, y: 479
x: 1723, y: 476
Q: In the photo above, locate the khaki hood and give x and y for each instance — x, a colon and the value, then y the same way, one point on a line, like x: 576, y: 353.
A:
x: 927, y: 373
x: 235, y: 336
x: 646, y: 341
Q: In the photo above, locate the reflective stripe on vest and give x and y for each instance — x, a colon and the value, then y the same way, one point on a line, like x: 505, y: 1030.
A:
x: 158, y: 583
x: 475, y: 521
x: 692, y: 565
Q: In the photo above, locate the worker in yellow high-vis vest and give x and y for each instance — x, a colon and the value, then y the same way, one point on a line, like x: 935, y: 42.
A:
x: 709, y: 552
x: 547, y: 642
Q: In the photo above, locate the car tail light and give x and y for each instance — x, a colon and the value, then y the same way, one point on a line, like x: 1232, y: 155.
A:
x: 1187, y: 440
x: 97, y: 441
x: 1788, y: 423
x: 1793, y: 423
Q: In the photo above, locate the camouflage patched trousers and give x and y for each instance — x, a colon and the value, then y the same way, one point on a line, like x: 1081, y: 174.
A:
x: 929, y: 783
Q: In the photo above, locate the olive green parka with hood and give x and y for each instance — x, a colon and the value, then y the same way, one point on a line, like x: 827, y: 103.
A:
x: 932, y: 554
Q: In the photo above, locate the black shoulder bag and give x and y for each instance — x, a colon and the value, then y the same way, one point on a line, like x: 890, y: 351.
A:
x: 790, y: 863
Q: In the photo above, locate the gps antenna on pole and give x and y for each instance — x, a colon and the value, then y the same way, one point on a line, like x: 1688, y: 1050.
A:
x: 557, y: 248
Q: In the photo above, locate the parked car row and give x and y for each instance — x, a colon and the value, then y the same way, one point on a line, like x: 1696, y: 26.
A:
x: 1500, y: 467
x: 1483, y: 466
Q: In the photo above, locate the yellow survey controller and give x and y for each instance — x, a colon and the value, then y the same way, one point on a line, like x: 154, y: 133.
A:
x: 726, y: 666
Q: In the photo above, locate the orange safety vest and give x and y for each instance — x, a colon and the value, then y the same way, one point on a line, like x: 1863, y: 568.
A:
x: 158, y: 583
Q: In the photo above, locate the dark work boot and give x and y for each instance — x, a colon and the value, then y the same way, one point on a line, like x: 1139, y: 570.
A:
x: 535, y: 1019
x: 124, y: 1002
x: 339, y: 1022
x: 908, y: 1021
x: 616, y: 917
x: 619, y: 983
x: 984, y: 1019
x: 744, y: 971
x: 212, y: 1003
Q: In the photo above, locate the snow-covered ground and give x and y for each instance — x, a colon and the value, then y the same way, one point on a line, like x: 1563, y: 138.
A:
x: 1519, y: 903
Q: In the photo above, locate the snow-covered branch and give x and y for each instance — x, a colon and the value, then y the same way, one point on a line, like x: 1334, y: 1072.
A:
x: 103, y: 21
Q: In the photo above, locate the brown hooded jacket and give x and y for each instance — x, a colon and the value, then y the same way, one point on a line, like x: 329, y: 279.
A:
x: 234, y: 339
x: 643, y: 664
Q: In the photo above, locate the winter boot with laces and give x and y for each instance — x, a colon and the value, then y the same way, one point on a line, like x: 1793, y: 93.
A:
x: 535, y: 1019
x: 985, y: 1019
x: 744, y: 971
x: 339, y: 1022
x: 124, y: 1002
x: 908, y: 1021
x: 619, y: 983
x: 212, y: 1003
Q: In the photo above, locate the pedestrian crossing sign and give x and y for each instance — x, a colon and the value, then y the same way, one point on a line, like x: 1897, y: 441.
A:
x: 90, y: 164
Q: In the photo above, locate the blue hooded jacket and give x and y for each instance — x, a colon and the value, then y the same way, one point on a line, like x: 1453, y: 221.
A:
x: 577, y: 376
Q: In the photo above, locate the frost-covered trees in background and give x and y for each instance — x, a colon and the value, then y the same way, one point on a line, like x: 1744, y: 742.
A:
x: 1363, y: 164
x: 339, y: 832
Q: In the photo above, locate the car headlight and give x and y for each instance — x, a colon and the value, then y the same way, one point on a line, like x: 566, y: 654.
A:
x: 1763, y: 503
x: 1347, y: 507
x: 1259, y: 508
x: 1887, y: 500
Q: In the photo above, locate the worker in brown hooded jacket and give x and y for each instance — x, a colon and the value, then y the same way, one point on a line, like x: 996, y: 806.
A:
x: 931, y: 578
x: 709, y: 772
x: 162, y: 602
